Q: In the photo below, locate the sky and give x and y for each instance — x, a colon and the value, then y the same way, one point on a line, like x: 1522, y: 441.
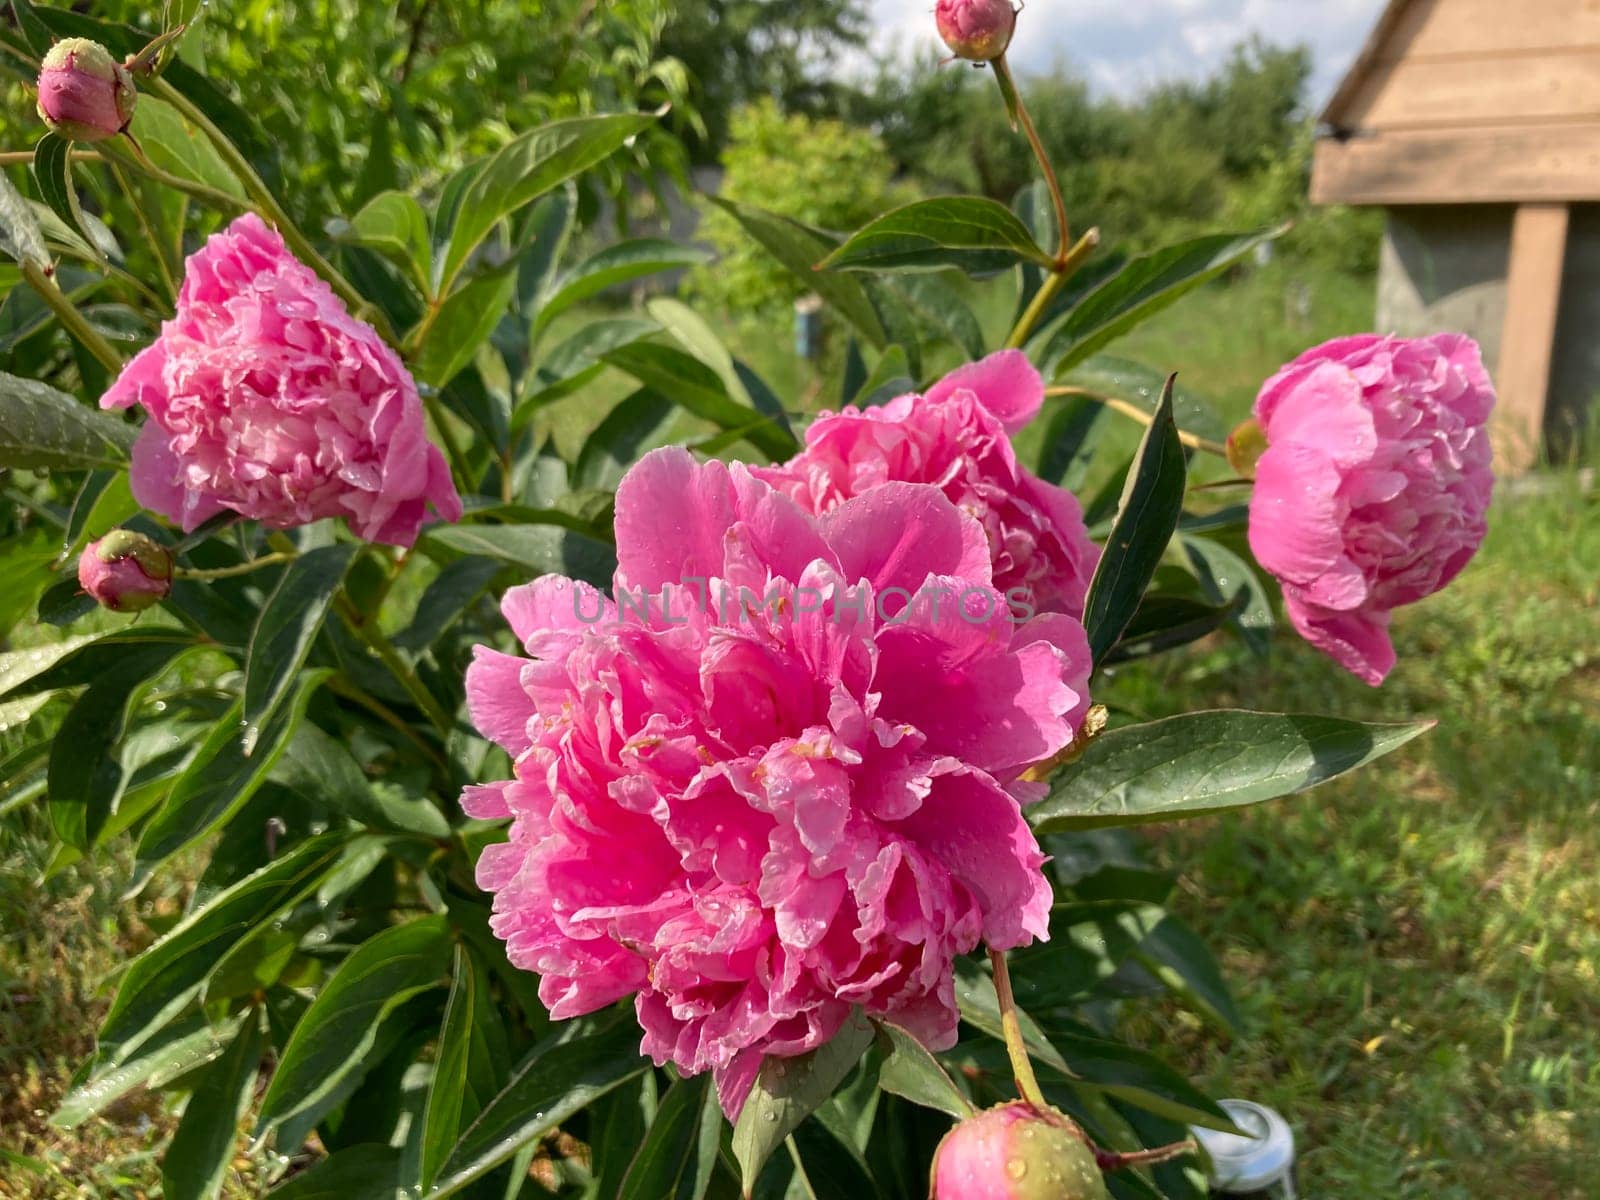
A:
x: 1123, y: 46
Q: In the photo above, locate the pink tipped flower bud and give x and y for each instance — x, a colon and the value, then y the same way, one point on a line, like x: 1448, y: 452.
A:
x: 126, y: 571
x: 978, y: 30
x: 1016, y: 1152
x: 85, y: 95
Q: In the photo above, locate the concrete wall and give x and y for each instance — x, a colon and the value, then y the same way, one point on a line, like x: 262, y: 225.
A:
x: 1444, y: 268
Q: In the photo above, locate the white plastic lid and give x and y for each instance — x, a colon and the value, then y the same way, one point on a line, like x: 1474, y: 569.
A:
x: 1253, y: 1163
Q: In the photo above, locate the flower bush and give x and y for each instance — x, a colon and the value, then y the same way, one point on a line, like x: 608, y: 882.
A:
x: 710, y: 819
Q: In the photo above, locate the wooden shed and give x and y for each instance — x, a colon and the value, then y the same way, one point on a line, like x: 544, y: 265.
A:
x: 1476, y: 125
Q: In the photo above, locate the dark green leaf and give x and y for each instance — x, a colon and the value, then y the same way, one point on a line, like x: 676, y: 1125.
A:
x: 1176, y: 956
x: 558, y: 1079
x: 548, y: 228
x: 679, y: 1153
x: 611, y: 266
x: 629, y: 429
x: 86, y: 771
x: 449, y: 595
x: 52, y: 167
x: 467, y: 1072
x: 1226, y: 577
x: 541, y: 549
x: 165, y: 1057
x: 910, y: 1070
x: 34, y: 32
x: 287, y: 627
x: 74, y: 661
x: 1133, y: 1075
x: 1148, y: 284
x: 1089, y: 941
x: 980, y: 1008
x: 827, y: 1165
x: 43, y: 428
x: 1066, y: 443
x: 1206, y: 762
x: 1152, y: 501
x: 941, y: 310
x: 21, y: 238
x: 352, y: 1173
x: 891, y: 377
x: 688, y: 381
x: 162, y: 981
x: 320, y: 769
x: 524, y: 169
x: 970, y: 233
x: 197, y: 1158
x: 799, y: 248
x: 1108, y: 375
x: 341, y: 1024
x: 103, y: 502
x: 464, y: 322
x: 394, y: 224
x: 225, y: 773
x: 788, y: 1090
x: 1166, y: 622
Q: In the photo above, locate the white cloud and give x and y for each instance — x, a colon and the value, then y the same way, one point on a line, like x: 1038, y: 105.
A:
x: 1125, y: 46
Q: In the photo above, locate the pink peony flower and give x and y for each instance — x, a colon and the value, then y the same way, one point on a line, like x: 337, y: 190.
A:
x: 1014, y: 1152
x: 85, y: 95
x: 265, y: 396
x: 125, y: 571
x: 956, y: 437
x: 1374, y: 484
x: 978, y: 30
x: 778, y: 777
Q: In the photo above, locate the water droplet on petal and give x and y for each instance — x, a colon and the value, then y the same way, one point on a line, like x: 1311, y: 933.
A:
x: 1016, y: 1168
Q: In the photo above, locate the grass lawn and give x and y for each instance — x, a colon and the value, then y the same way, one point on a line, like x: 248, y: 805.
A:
x: 1414, y: 949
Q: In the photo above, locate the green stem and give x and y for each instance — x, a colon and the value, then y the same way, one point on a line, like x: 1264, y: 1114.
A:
x: 114, y: 151
x: 452, y: 448
x: 1013, y: 97
x: 244, y: 568
x: 1016, y: 1048
x: 1128, y: 409
x: 156, y: 248
x: 1060, y: 273
x: 267, y: 205
x: 388, y: 716
x: 390, y: 657
x: 75, y: 322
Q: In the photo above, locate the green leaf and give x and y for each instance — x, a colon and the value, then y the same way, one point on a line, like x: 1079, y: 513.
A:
x: 828, y: 1165
x: 29, y: 563
x: 87, y: 776
x: 980, y: 1008
x: 970, y: 233
x: 74, y: 661
x: 342, y: 1022
x: 352, y: 1173
x: 611, y: 266
x: 181, y: 150
x: 464, y: 322
x: 1148, y: 284
x: 163, y: 980
x: 1207, y: 762
x: 43, y: 428
x: 1138, y: 384
x: 447, y: 597
x: 288, y: 625
x: 694, y: 334
x: 1133, y: 1075
x: 34, y: 32
x: 393, y: 224
x: 939, y: 308
x: 226, y: 771
x: 688, y: 381
x: 197, y: 1158
x: 628, y: 430
x: 176, y: 1052
x: 788, y: 1090
x: 1164, y: 622
x: 104, y: 502
x: 558, y: 1079
x: 1152, y: 502
x: 910, y: 1070
x: 1228, y: 578
x: 52, y: 168
x: 467, y: 1072
x: 1089, y: 942
x: 1176, y: 956
x: 679, y: 1153
x: 799, y: 248
x: 541, y: 549
x: 577, y: 361
x: 524, y: 169
x: 20, y: 235
x: 890, y: 377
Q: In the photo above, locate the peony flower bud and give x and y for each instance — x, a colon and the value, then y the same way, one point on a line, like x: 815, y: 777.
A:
x: 977, y: 30
x: 85, y: 95
x: 126, y: 571
x: 1016, y: 1152
x: 1372, y: 490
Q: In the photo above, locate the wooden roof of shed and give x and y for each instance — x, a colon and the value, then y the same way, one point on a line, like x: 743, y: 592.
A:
x: 1468, y: 101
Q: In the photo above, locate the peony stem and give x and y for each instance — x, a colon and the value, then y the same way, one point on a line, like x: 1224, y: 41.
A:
x: 1111, y: 1160
x: 267, y: 204
x: 244, y: 568
x: 68, y: 314
x: 1060, y: 274
x: 1013, y: 97
x: 114, y: 151
x: 1016, y: 1048
x: 1128, y: 409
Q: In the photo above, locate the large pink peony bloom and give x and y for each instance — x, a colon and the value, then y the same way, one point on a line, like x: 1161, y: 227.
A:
x: 1374, y: 485
x: 779, y: 777
x: 265, y: 396
x: 957, y: 438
